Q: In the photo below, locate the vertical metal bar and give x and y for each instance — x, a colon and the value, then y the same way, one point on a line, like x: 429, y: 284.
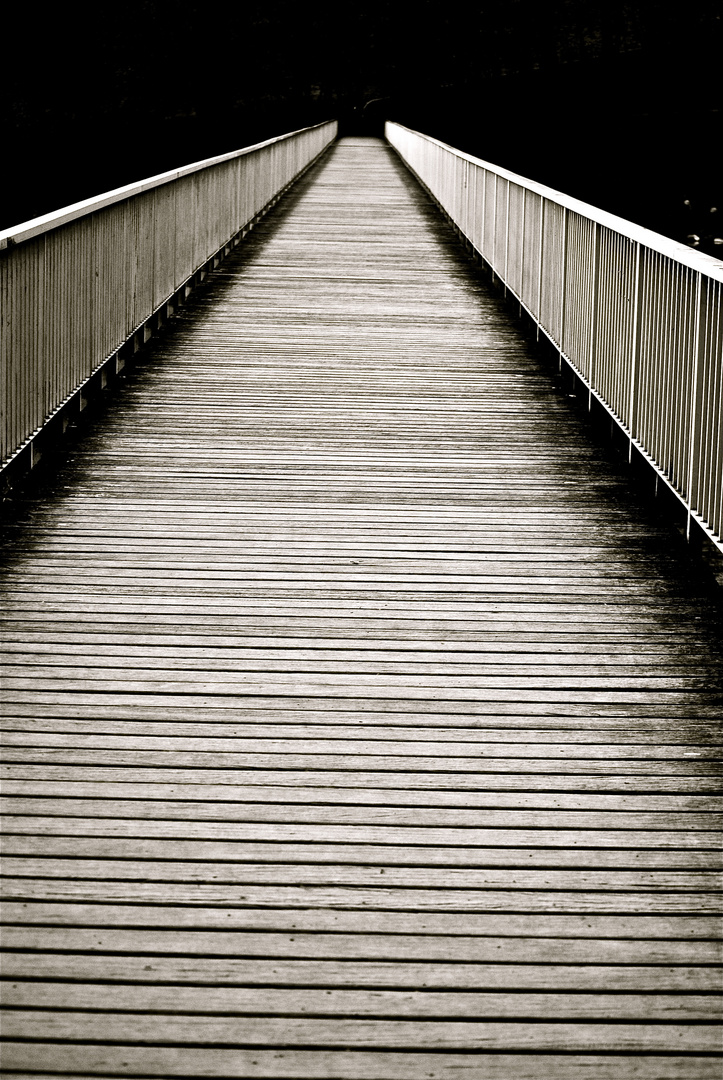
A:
x: 634, y: 355
x: 695, y: 408
x: 483, y: 238
x: 563, y: 283
x: 507, y: 233
x: 538, y: 313
x: 592, y: 356
x: 494, y: 231
x: 522, y: 246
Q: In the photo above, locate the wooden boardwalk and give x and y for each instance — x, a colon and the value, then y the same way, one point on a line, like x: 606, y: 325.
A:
x: 359, y: 724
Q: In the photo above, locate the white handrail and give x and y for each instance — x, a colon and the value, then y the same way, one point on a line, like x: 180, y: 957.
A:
x: 78, y: 283
x: 656, y: 241
x: 639, y: 317
x: 25, y: 231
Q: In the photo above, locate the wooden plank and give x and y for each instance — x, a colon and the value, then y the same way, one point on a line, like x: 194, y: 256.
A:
x: 335, y: 740
x: 568, y: 714
x: 496, y: 625
x: 365, y: 851
x: 383, y: 805
x: 311, y: 647
x: 336, y: 684
x: 376, y: 726
x: 356, y: 973
x: 328, y: 829
x: 355, y: 779
x: 336, y: 760
x: 353, y: 946
x: 453, y: 878
x: 580, y: 1037
x: 546, y: 648
x: 63, y: 550
x: 378, y: 663
x: 390, y: 607
x: 369, y: 922
x: 145, y: 1063
x: 463, y: 607
x: 673, y: 1008
x: 136, y: 887
x: 342, y: 570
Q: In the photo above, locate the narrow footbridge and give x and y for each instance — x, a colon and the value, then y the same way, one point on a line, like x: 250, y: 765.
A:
x: 360, y: 719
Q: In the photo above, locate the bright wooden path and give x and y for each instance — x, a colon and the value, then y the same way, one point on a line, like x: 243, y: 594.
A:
x: 359, y: 725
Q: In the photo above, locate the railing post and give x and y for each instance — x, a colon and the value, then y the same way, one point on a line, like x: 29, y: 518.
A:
x: 594, y: 313
x: 634, y: 355
x: 464, y: 203
x: 483, y: 236
x: 494, y: 232
x: 507, y: 233
x: 538, y: 313
x: 563, y: 284
x: 522, y: 247
x: 695, y: 407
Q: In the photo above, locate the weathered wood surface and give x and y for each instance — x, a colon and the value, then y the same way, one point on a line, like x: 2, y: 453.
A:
x: 359, y: 724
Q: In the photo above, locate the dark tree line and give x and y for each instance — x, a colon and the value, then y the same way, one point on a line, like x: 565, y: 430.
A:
x: 616, y: 102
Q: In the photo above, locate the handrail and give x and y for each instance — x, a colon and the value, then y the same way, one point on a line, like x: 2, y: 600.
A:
x: 638, y: 317
x: 25, y: 231
x: 78, y: 283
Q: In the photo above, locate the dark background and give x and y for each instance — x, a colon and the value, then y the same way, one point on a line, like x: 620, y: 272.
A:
x: 615, y: 103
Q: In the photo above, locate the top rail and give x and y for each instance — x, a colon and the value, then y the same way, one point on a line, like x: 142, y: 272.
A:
x: 35, y: 226
x: 656, y: 241
x: 78, y: 283
x: 638, y: 316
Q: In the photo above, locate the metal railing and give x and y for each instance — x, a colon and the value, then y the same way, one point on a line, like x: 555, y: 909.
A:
x: 77, y: 284
x: 637, y: 316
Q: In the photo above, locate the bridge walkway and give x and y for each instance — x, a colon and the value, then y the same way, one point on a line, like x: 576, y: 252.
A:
x: 359, y: 723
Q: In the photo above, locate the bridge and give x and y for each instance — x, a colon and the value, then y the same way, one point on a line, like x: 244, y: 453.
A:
x: 361, y: 716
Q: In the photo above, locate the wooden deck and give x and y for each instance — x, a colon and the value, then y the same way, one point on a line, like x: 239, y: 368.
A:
x: 359, y: 724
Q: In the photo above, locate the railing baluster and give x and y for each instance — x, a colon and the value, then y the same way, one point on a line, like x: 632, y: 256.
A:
x: 538, y: 313
x: 633, y: 387
x: 507, y: 234
x: 592, y: 356
x: 696, y: 403
x: 563, y: 283
x: 523, y: 230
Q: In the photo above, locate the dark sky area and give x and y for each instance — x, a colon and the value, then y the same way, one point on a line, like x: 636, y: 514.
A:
x: 616, y: 103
